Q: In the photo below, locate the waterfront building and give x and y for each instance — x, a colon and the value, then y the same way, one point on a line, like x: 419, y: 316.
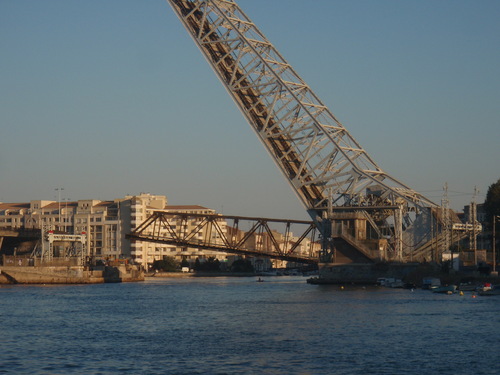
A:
x: 142, y: 206
x: 106, y: 224
x: 99, y: 220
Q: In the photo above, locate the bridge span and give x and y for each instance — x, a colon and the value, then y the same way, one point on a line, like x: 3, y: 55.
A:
x: 289, y: 240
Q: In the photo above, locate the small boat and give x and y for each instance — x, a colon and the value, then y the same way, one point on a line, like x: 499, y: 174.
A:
x: 467, y: 287
x: 430, y: 283
x: 448, y: 289
x: 489, y: 290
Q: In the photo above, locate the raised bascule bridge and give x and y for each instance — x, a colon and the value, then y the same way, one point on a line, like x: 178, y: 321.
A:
x: 363, y: 214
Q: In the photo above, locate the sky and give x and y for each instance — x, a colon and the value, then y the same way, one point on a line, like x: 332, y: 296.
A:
x: 109, y: 98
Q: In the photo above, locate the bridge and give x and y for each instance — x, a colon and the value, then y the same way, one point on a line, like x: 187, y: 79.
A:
x: 289, y: 240
x: 361, y: 212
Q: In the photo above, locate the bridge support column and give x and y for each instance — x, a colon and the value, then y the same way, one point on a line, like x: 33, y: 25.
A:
x: 398, y: 233
x: 327, y: 245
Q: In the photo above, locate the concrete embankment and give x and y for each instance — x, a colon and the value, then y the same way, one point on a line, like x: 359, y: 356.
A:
x: 201, y: 274
x: 68, y: 275
x: 410, y: 273
x: 362, y: 273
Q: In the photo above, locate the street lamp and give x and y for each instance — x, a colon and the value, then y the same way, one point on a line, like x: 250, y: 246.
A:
x: 59, y: 189
x: 65, y: 220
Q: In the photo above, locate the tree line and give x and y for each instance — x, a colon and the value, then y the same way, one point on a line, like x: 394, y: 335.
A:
x: 170, y: 264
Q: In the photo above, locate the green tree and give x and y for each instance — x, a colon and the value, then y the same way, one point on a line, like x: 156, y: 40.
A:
x: 213, y: 264
x: 209, y: 265
x: 167, y: 264
x: 492, y: 202
x: 242, y: 265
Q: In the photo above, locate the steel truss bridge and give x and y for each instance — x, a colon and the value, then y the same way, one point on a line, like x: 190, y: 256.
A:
x: 232, y: 234
x: 361, y: 212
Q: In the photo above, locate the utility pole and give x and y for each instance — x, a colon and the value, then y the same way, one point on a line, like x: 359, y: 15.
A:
x: 398, y: 232
x: 445, y: 218
x: 495, y: 219
x: 473, y: 219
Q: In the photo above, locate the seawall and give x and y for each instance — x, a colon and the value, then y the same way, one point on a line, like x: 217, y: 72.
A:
x: 331, y: 273
x: 68, y: 275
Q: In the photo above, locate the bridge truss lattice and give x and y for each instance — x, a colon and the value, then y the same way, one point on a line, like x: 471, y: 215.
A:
x: 326, y: 167
x: 295, y: 241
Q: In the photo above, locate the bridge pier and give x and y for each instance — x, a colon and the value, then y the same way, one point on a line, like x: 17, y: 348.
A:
x: 363, y: 273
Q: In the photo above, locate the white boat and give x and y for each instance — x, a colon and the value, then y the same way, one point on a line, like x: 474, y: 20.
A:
x: 489, y: 290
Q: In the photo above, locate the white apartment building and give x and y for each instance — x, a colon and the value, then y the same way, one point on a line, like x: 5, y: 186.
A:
x: 105, y: 223
x: 142, y: 206
x: 99, y: 220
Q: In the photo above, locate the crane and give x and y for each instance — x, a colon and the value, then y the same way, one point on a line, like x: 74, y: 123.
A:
x: 362, y: 213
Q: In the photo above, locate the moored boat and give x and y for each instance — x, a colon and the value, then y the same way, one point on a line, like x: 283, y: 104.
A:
x: 468, y: 287
x: 489, y: 290
x: 448, y: 289
x: 430, y: 283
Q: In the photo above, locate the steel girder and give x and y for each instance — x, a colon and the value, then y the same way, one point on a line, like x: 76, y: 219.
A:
x: 324, y: 164
x: 222, y: 233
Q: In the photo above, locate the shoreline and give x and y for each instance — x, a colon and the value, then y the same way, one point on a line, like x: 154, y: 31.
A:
x: 200, y: 274
x: 68, y: 275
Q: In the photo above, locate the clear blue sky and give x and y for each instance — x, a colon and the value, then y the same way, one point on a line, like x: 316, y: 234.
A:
x: 107, y: 98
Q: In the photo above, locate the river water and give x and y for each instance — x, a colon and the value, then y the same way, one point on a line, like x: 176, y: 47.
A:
x: 240, y: 326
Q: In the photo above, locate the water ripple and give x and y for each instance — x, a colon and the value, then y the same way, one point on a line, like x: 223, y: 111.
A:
x: 238, y: 326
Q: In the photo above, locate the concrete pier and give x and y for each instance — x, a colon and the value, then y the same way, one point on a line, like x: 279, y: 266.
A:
x: 69, y: 275
x: 362, y: 273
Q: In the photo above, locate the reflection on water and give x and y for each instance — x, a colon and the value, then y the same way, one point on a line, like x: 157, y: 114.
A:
x: 240, y: 326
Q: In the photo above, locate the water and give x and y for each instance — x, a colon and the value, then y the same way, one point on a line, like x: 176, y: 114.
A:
x: 239, y: 326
